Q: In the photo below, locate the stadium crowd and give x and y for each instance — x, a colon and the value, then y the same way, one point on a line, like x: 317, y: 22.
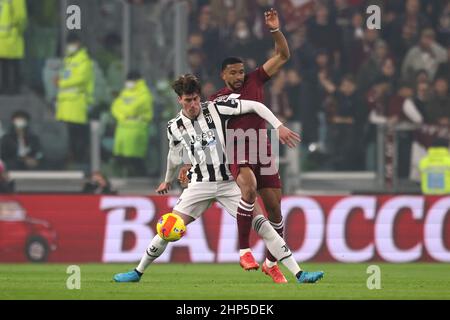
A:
x: 341, y: 82
x: 343, y: 79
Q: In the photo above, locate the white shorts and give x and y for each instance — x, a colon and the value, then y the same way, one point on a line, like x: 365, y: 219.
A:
x: 198, y: 196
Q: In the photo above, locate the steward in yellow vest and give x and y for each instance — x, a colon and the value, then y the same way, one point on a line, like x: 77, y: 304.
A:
x: 75, y: 95
x: 76, y: 84
x: 133, y: 111
x: 13, y: 21
x: 435, y: 171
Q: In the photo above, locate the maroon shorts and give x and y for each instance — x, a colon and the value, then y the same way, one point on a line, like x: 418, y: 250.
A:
x: 266, y: 174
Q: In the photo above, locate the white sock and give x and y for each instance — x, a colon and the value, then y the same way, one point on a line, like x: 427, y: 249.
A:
x: 277, y: 226
x: 276, y: 244
x: 154, y: 250
x: 292, y: 265
x: 244, y: 251
x: 270, y: 264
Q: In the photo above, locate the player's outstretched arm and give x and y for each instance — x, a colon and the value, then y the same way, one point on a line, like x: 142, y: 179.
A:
x: 282, y: 53
x: 235, y: 107
x: 173, y: 162
x: 250, y: 106
x: 171, y: 171
x: 285, y: 135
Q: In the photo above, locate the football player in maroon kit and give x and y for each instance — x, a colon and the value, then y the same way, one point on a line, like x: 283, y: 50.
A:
x: 248, y: 175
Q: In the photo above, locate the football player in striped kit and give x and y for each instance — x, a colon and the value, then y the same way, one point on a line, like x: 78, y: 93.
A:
x: 199, y: 130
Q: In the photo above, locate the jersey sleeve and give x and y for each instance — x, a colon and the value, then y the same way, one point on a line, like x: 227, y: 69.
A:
x: 235, y: 107
x: 260, y: 75
x: 248, y: 106
x: 229, y: 107
x: 173, y: 142
x: 174, y: 157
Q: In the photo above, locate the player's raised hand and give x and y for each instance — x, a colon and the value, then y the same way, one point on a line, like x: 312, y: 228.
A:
x: 164, y: 188
x: 271, y: 17
x: 287, y: 136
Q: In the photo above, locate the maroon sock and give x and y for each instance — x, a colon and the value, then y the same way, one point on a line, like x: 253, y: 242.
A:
x: 244, y: 222
x: 279, y: 228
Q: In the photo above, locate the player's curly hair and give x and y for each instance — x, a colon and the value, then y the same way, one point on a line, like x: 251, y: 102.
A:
x: 187, y: 84
x: 230, y: 60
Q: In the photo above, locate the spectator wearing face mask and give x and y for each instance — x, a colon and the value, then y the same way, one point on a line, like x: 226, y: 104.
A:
x: 20, y: 148
x: 244, y: 44
x: 98, y: 184
x: 133, y: 111
x: 75, y: 95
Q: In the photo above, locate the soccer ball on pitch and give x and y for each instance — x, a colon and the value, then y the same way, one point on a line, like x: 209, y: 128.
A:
x: 171, y: 227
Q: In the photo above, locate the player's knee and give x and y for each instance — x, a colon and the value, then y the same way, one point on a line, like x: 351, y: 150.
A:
x: 249, y: 193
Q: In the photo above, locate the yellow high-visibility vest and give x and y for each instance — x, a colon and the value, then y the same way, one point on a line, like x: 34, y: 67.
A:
x: 133, y: 111
x: 13, y: 20
x: 75, y: 88
x: 435, y: 171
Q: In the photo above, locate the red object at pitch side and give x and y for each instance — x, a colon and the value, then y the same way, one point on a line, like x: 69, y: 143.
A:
x: 24, y: 237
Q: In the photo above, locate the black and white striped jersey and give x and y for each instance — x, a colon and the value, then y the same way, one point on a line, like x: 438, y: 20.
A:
x: 203, y: 139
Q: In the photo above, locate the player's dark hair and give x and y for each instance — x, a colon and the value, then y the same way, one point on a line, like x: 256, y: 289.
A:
x: 230, y: 60
x: 187, y: 84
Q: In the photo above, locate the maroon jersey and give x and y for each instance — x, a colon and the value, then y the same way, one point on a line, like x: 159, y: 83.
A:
x: 252, y: 89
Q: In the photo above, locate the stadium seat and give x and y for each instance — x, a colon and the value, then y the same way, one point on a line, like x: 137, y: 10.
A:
x: 54, y: 141
x: 28, y: 102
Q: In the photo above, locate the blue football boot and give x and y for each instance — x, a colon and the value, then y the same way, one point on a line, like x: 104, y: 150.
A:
x: 131, y: 276
x: 310, y: 277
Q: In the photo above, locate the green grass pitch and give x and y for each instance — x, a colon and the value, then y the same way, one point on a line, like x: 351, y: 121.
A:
x: 223, y: 282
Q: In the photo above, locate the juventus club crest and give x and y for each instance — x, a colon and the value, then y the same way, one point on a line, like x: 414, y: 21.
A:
x: 209, y: 118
